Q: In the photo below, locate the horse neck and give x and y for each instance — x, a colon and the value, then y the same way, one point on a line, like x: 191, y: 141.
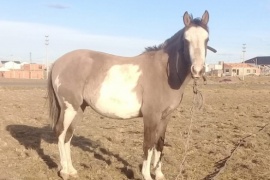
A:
x: 179, y: 71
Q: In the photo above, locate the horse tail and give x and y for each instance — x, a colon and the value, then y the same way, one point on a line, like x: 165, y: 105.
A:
x: 54, y: 107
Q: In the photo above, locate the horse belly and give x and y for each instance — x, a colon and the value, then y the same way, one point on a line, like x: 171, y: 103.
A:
x: 122, y: 105
x: 118, y: 94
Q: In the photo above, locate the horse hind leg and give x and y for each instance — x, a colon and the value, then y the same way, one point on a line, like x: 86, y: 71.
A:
x: 70, y: 131
x: 65, y: 121
x: 71, y: 170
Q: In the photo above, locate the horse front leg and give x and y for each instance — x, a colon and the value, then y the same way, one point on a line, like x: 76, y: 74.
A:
x: 148, y: 149
x: 149, y: 143
x: 159, y: 149
x: 154, y: 136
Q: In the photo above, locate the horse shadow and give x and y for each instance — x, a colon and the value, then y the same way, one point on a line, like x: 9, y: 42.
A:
x: 30, y: 137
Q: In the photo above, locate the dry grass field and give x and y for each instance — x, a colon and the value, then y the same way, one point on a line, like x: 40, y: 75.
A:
x: 230, y: 137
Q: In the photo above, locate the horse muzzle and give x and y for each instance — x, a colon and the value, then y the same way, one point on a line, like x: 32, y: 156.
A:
x: 197, y: 71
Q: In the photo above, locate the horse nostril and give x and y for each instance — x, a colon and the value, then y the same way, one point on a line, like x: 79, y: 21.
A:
x: 197, y: 71
x: 193, y: 70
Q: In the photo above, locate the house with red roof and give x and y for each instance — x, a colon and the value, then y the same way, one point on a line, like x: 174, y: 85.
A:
x: 240, y: 69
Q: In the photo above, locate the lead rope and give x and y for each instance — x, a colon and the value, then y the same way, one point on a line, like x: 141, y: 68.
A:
x: 197, y: 103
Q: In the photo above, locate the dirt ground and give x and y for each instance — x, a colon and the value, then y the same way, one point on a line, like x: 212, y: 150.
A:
x: 230, y: 136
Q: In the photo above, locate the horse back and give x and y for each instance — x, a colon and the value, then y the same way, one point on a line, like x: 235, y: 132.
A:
x: 107, y: 83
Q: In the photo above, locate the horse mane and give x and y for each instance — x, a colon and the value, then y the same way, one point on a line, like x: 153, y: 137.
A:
x: 175, y: 42
x: 154, y: 48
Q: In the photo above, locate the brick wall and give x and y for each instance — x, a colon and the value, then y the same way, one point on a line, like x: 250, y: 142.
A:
x: 28, y: 67
x: 23, y: 74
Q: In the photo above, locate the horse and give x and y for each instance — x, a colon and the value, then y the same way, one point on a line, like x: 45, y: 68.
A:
x: 149, y: 85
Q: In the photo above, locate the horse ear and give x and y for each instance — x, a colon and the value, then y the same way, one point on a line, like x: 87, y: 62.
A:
x: 205, y: 17
x: 186, y: 19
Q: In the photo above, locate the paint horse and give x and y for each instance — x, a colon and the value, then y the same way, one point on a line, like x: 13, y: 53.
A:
x: 149, y: 85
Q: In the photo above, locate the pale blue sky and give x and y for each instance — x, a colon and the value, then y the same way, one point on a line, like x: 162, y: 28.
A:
x: 125, y: 27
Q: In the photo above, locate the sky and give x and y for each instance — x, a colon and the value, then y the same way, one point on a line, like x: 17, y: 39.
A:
x: 126, y: 27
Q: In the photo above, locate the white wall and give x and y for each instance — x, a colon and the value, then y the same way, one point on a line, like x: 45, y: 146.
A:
x: 12, y: 65
x: 210, y: 67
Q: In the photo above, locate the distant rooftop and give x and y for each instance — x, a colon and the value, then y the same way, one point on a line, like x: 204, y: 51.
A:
x: 238, y: 65
x: 4, y: 62
x: 259, y: 60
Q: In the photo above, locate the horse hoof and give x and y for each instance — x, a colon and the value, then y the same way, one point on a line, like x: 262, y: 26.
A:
x: 64, y: 176
x: 74, y: 175
x: 160, y: 177
x: 148, y: 178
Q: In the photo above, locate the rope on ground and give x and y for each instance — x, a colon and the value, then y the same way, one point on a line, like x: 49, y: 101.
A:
x: 222, y: 164
x: 197, y: 104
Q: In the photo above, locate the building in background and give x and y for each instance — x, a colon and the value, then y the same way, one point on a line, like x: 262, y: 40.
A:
x: 11, y: 65
x: 240, y: 69
x: 214, y: 69
x: 259, y: 61
x: 262, y: 62
x: 12, y: 69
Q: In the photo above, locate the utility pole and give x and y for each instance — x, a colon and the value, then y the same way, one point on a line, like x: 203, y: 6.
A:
x: 30, y: 59
x: 243, y: 50
x: 47, y: 64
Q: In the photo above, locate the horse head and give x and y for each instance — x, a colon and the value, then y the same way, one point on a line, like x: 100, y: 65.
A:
x: 195, y: 39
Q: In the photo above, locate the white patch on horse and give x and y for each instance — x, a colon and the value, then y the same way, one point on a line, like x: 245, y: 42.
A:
x: 117, y: 98
x: 57, y: 83
x: 146, y: 166
x: 71, y: 170
x: 66, y: 164
x: 197, y: 37
x: 157, y: 165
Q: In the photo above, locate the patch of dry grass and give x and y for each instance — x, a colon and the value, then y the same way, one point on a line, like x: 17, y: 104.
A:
x: 107, y: 149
